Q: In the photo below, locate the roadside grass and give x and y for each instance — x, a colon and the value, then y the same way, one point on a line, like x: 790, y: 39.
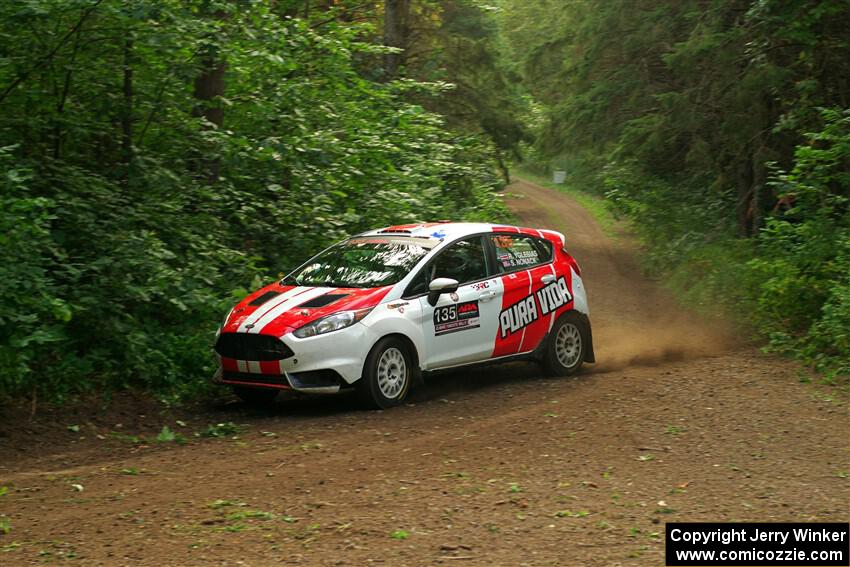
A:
x: 593, y: 203
x: 227, y: 429
x: 167, y: 434
x: 235, y: 516
x: 5, y: 548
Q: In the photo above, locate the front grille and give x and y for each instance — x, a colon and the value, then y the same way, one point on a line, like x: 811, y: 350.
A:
x: 243, y: 346
x: 255, y: 378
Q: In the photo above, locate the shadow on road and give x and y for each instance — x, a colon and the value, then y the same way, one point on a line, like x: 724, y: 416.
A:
x: 437, y: 386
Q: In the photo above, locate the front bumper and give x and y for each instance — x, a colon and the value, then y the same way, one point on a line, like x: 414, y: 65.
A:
x: 321, y: 364
x: 317, y: 382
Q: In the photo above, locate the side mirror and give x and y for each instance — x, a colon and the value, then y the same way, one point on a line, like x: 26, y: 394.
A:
x: 438, y: 287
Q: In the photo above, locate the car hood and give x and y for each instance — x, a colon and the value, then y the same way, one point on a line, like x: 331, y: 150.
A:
x: 280, y: 309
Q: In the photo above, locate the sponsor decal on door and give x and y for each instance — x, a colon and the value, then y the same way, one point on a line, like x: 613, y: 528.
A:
x: 554, y: 295
x: 456, y: 317
x: 526, y: 311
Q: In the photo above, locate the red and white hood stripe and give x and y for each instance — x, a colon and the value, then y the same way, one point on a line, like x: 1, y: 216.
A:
x: 270, y: 311
x: 286, y: 312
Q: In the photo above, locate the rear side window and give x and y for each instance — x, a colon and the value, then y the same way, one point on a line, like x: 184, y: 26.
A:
x: 519, y: 252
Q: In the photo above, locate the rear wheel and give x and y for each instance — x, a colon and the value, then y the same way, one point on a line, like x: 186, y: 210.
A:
x: 566, y: 346
x: 255, y: 396
x: 387, y: 374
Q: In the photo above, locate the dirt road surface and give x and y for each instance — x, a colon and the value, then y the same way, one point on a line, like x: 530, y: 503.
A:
x: 679, y: 421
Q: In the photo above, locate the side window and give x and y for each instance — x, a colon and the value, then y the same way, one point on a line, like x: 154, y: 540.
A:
x: 518, y: 252
x: 464, y: 261
x: 420, y: 284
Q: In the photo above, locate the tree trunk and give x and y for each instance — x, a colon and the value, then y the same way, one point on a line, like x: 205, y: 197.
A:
x: 744, y: 184
x: 63, y: 98
x: 127, y: 113
x: 396, y: 14
x: 503, y: 168
x: 209, y: 86
x: 760, y: 193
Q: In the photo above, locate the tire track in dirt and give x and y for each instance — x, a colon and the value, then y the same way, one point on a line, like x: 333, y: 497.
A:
x: 495, y: 466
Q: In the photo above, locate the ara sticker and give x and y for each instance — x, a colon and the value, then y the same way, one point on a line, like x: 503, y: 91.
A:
x: 456, y: 317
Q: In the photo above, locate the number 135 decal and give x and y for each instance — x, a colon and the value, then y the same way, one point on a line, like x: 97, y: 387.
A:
x: 456, y: 317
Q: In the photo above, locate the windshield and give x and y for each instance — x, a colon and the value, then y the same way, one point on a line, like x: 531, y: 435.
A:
x: 363, y: 262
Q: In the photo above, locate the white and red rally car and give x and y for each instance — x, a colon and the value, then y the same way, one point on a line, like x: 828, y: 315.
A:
x: 375, y: 310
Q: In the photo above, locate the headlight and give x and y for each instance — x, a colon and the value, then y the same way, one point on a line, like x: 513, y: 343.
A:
x: 331, y: 323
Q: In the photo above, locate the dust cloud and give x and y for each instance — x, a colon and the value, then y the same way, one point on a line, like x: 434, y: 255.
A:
x: 667, y: 339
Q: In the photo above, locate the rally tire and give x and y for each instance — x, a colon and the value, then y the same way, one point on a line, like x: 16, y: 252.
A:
x: 566, y: 345
x: 387, y: 374
x: 257, y: 397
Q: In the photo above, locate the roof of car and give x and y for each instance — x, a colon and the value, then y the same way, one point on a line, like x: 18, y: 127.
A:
x: 447, y: 229
x: 438, y: 230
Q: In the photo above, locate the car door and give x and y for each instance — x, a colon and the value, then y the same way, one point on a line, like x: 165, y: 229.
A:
x: 530, y: 292
x: 459, y: 329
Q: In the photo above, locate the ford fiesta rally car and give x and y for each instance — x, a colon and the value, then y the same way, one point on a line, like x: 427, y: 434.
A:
x: 374, y: 311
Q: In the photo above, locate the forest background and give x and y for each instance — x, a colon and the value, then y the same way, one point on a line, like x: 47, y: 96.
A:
x: 161, y: 158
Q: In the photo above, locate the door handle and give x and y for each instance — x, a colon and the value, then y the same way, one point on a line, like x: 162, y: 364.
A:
x: 548, y: 278
x: 487, y: 295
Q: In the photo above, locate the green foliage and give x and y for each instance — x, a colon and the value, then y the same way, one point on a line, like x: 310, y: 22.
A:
x: 692, y: 119
x: 133, y: 439
x: 791, y: 281
x: 130, y: 222
x: 469, y: 53
x: 33, y: 315
x: 804, y: 254
x: 167, y: 435
x: 222, y: 430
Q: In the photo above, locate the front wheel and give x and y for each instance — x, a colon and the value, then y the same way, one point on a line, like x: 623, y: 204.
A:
x: 566, y: 346
x: 387, y: 374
